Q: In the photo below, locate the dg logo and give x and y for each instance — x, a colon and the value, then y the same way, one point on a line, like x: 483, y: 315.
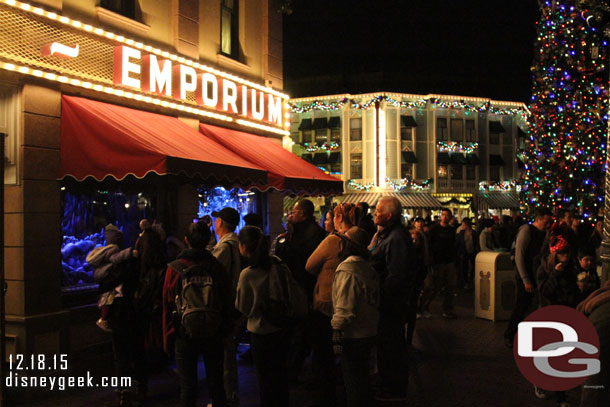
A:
x: 557, y: 348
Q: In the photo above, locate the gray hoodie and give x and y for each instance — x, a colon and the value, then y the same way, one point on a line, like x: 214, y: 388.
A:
x: 355, y: 296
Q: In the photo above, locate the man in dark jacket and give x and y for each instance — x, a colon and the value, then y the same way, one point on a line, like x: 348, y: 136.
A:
x: 528, y: 254
x: 444, y: 273
x: 393, y: 259
x: 294, y: 247
x: 467, y: 246
x: 187, y: 350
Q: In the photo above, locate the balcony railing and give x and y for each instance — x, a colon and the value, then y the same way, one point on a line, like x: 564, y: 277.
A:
x: 472, y: 184
x: 457, y: 184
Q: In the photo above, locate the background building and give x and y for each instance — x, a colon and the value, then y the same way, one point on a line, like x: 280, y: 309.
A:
x: 429, y: 150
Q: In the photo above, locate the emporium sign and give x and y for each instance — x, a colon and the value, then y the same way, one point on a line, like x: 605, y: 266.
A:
x: 41, y: 43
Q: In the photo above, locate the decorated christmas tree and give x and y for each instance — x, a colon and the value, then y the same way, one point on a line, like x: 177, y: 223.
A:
x: 565, y: 151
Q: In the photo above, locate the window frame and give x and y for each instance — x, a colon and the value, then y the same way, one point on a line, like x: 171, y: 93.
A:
x: 404, y: 130
x: 126, y: 8
x: 494, y: 169
x: 469, y: 168
x: 411, y: 170
x: 439, y: 175
x: 321, y: 134
x: 352, y: 166
x: 461, y: 135
x: 470, y: 134
x: 307, y: 136
x: 335, y: 134
x: 456, y: 168
x: 494, y: 138
x: 353, y: 130
x: 233, y: 30
x: 442, y: 132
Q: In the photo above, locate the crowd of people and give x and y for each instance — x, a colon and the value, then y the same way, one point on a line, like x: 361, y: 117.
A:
x: 349, y: 288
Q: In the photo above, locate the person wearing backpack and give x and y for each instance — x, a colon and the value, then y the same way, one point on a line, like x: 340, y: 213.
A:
x: 226, y: 252
x: 269, y: 340
x: 196, y: 315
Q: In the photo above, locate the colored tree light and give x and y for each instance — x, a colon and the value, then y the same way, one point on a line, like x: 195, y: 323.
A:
x: 565, y: 155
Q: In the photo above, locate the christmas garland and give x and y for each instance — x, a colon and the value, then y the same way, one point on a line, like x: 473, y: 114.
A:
x: 360, y: 187
x: 312, y: 148
x: 456, y: 147
x: 498, y: 186
x: 421, y: 103
x: 407, y: 183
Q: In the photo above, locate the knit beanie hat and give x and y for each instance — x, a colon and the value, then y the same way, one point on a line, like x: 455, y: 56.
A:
x: 113, y: 235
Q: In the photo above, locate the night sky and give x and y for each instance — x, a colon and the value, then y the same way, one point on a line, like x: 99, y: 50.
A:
x: 459, y: 47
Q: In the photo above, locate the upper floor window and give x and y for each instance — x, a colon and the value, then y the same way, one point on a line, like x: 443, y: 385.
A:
x: 406, y: 133
x: 321, y: 135
x: 441, y: 171
x: 335, y: 134
x: 457, y: 130
x: 457, y: 172
x: 495, y: 129
x: 355, y: 129
x: 126, y: 8
x: 494, y: 138
x: 441, y: 129
x: 229, y: 24
x: 471, y: 172
x: 355, y: 166
x: 307, y: 136
x: 470, y: 131
x: 406, y: 170
x: 494, y: 173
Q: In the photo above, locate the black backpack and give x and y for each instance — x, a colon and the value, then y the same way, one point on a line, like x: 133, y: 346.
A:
x: 198, y: 304
x: 285, y: 300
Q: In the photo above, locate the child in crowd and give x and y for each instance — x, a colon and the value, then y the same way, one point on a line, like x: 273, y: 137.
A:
x: 587, y: 278
x: 100, y: 259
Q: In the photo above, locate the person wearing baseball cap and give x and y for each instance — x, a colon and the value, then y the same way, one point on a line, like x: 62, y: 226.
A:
x: 226, y: 252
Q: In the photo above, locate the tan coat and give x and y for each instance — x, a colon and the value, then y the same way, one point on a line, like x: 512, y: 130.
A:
x: 323, y: 262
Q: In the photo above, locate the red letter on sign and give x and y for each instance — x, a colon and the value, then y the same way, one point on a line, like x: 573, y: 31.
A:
x: 123, y: 66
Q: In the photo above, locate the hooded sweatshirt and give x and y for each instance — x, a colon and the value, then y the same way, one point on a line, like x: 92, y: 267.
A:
x: 355, y: 294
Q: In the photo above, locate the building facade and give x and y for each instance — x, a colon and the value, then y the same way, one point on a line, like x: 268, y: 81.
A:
x: 430, y: 150
x: 113, y: 111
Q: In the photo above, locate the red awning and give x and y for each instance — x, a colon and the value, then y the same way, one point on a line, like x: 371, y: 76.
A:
x: 100, y: 140
x: 286, y: 171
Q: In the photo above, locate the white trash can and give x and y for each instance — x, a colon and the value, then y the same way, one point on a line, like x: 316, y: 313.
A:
x: 494, y: 288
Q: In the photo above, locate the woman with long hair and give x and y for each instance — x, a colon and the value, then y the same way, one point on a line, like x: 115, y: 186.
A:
x: 323, y: 262
x: 148, y: 297
x: 269, y: 342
